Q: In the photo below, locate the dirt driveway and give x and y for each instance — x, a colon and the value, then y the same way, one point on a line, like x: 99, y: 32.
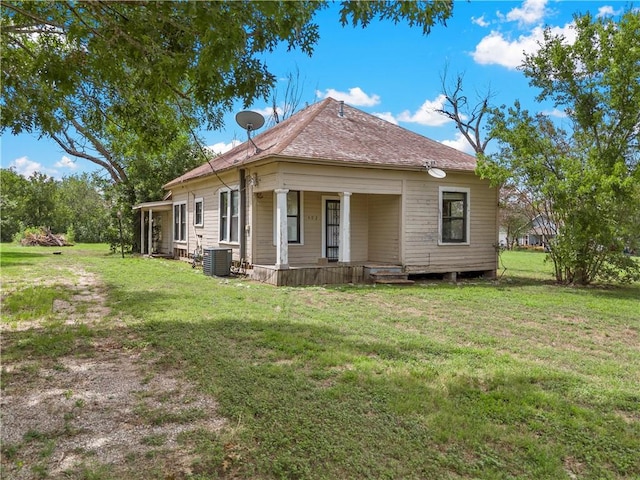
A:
x: 109, y: 409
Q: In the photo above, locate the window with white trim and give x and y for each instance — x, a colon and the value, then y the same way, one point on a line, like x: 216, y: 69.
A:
x: 454, y: 215
x: 198, y: 212
x: 229, y: 213
x: 180, y: 222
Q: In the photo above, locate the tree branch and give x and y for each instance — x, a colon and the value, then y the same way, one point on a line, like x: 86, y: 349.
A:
x: 457, y: 102
x: 77, y: 153
x: 39, y: 20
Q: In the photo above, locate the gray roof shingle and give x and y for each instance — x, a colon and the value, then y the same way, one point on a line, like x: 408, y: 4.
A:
x: 319, y: 134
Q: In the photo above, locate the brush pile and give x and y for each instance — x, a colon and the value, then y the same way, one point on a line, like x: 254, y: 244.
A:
x: 43, y: 238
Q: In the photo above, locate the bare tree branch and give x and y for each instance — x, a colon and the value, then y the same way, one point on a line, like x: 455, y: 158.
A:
x: 468, y: 120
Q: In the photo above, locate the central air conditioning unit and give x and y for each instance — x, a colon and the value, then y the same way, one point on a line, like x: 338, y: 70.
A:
x: 217, y: 261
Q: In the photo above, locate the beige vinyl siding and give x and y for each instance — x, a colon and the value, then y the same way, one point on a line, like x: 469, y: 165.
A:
x: 360, y: 216
x: 182, y: 197
x: 166, y: 232
x: 319, y: 178
x: 421, y: 250
x: 208, y: 189
x: 209, y: 229
x: 384, y: 228
x: 267, y: 177
x: 264, y: 251
x: 307, y: 252
x: 421, y: 221
x: 311, y: 250
x: 311, y: 230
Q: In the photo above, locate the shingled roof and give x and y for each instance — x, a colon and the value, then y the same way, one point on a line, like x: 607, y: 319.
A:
x: 320, y: 134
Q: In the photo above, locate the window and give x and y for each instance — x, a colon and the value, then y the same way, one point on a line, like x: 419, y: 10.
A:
x: 198, y: 212
x: 454, y: 215
x: 229, y: 215
x: 293, y: 216
x: 180, y: 222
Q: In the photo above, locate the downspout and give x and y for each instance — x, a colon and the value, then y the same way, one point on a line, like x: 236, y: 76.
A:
x: 243, y: 215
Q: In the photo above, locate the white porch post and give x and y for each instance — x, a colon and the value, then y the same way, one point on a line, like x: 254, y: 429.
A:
x: 150, y: 233
x: 282, y: 238
x: 344, y: 253
x: 141, y: 231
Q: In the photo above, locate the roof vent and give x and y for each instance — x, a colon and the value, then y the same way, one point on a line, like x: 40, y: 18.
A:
x: 341, y: 112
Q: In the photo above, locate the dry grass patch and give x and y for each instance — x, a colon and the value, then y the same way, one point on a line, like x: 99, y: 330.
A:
x: 102, y: 407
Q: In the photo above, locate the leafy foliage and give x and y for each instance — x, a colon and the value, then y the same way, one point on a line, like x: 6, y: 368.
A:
x: 74, y: 205
x: 81, y: 209
x: 125, y: 84
x: 584, y: 179
x: 515, y: 217
x: 100, y: 78
x: 13, y: 190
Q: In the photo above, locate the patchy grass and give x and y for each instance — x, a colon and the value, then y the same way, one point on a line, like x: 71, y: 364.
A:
x: 33, y: 302
x: 512, y: 379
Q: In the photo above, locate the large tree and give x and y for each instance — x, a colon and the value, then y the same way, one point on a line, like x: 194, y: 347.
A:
x: 14, y: 190
x: 92, y: 75
x: 586, y: 174
x: 81, y: 209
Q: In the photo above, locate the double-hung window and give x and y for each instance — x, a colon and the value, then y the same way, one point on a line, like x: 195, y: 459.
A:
x: 180, y: 222
x: 198, y: 212
x: 454, y: 215
x: 229, y: 216
x: 293, y: 216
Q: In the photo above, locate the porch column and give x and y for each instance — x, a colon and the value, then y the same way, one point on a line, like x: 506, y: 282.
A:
x: 344, y: 253
x: 150, y: 233
x: 282, y: 238
x: 141, y: 231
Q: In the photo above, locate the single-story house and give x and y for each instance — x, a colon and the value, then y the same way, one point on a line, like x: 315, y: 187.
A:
x: 332, y: 195
x: 539, y: 233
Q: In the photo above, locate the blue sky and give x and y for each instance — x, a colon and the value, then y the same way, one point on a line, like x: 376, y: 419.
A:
x: 391, y: 71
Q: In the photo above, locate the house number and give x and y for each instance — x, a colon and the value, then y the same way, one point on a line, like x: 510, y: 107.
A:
x: 312, y: 217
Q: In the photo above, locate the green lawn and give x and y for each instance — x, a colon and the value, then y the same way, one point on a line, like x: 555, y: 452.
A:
x: 517, y: 378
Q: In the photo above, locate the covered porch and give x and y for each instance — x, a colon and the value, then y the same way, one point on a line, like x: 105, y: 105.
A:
x: 155, y: 228
x: 307, y: 237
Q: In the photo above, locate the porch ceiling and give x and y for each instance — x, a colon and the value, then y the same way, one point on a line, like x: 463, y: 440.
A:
x: 155, y: 206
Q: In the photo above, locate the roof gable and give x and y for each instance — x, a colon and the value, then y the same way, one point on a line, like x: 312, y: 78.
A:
x: 319, y: 133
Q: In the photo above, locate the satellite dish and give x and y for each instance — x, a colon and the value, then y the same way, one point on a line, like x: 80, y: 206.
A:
x: 436, y: 172
x: 249, y: 120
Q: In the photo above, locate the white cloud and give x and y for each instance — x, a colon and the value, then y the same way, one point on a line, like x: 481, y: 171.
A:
x: 267, y: 111
x: 26, y: 167
x: 222, y: 147
x: 388, y: 116
x: 427, y: 114
x: 480, y: 21
x: 459, y: 143
x: 555, y: 113
x: 355, y: 97
x: 496, y: 49
x: 607, y: 11
x: 66, y: 162
x: 532, y: 11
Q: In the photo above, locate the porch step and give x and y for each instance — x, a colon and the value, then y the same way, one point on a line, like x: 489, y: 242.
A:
x: 390, y: 275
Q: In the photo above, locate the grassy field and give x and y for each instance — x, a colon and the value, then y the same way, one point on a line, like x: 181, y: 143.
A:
x: 516, y: 378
